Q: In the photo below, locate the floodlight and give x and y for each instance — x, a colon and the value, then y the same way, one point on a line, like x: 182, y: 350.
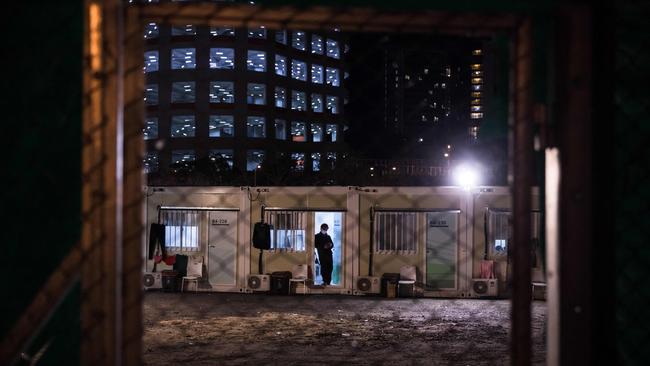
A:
x: 466, y: 176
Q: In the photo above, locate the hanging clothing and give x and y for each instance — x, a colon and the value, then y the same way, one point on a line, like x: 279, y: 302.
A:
x: 487, y: 269
x: 157, y: 238
x: 180, y: 265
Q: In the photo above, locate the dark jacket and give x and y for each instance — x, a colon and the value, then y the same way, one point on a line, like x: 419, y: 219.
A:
x: 323, y: 242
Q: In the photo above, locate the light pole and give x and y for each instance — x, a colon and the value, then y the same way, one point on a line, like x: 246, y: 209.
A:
x: 258, y: 166
x: 467, y: 177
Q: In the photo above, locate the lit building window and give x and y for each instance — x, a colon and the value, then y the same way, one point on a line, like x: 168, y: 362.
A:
x: 475, y: 66
x: 476, y: 108
x: 183, y: 156
x: 221, y: 126
x: 182, y: 126
x: 476, y: 102
x: 332, y: 76
x: 256, y: 94
x: 477, y: 87
x: 222, y: 31
x: 183, y: 30
x: 298, y: 40
x: 317, y: 74
x: 298, y: 100
x: 333, y: 104
x: 280, y: 65
x: 332, y: 49
x: 225, y: 155
x: 477, y: 80
x: 280, y: 129
x: 281, y: 36
x: 150, y: 128
x: 183, y: 92
x: 151, y: 94
x: 473, y: 132
x: 151, y: 31
x: 448, y: 71
x: 151, y: 162
x: 330, y: 132
x: 298, y: 160
x: 476, y: 94
x: 477, y: 73
x: 151, y: 61
x: 222, y: 58
x: 299, y: 70
x: 317, y: 103
x: 183, y: 58
x: 254, y: 158
x: 317, y: 132
x: 315, y: 162
x: 317, y: 44
x: 256, y: 127
x: 256, y: 61
x: 298, y: 131
x: 222, y: 92
x: 477, y: 52
x: 258, y: 32
x: 476, y: 115
x: 280, y: 97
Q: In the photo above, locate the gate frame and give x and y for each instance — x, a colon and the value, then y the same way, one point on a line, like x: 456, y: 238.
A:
x: 112, y: 195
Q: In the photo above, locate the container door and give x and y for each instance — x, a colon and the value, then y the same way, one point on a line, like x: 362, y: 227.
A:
x: 335, y: 222
x: 222, y: 248
x: 442, y: 250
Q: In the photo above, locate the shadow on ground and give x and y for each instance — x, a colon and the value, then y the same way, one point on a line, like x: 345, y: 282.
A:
x: 255, y: 329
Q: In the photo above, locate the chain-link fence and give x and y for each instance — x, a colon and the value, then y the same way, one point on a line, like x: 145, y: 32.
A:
x: 111, y: 295
x: 632, y: 254
x: 400, y: 96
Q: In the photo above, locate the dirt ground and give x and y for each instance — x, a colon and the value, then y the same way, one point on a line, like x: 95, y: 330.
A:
x: 256, y: 329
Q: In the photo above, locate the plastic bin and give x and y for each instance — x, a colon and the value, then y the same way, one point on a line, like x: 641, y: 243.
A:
x: 387, y: 278
x: 280, y: 283
x: 169, y: 281
x: 391, y: 289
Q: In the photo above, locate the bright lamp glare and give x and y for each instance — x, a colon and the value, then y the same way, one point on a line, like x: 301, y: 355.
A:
x: 466, y: 176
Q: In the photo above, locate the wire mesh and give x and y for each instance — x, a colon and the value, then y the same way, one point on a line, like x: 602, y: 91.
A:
x: 407, y: 331
x: 632, y: 255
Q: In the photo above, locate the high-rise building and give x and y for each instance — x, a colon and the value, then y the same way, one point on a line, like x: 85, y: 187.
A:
x: 477, y: 93
x: 433, y: 94
x: 243, y: 96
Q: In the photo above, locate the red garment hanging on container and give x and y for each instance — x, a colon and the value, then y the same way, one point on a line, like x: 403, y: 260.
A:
x: 170, y: 260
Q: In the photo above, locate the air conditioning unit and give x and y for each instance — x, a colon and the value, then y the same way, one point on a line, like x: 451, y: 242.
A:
x: 367, y: 285
x: 258, y: 282
x: 152, y: 280
x: 485, y: 287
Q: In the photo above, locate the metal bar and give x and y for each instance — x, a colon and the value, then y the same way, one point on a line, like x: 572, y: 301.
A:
x: 505, y: 210
x: 521, y: 345
x: 134, y: 211
x: 325, y: 18
x: 187, y: 208
x: 306, y: 209
x: 102, y: 198
x: 452, y: 210
x: 576, y: 245
x: 373, y: 235
x: 42, y: 307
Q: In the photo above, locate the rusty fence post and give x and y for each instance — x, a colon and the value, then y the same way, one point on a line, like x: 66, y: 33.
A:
x: 521, y: 196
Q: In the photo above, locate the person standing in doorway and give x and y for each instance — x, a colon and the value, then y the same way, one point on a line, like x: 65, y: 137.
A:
x: 324, y: 245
